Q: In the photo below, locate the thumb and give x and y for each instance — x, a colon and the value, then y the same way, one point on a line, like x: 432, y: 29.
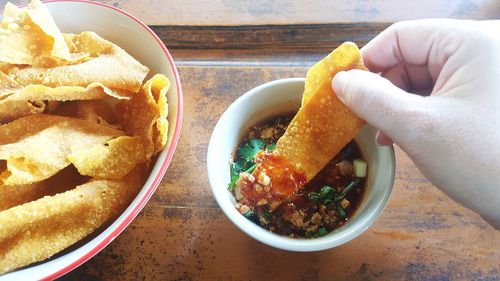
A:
x: 380, y: 103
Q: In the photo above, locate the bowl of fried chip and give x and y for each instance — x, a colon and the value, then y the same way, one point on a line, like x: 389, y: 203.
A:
x: 294, y: 168
x: 90, y: 116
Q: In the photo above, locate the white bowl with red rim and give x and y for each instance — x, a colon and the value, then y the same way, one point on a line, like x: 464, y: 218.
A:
x: 128, y: 32
x: 277, y: 98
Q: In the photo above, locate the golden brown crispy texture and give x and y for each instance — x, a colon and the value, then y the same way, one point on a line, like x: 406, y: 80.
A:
x: 17, y: 101
x: 93, y: 91
x: 13, y: 110
x: 14, y: 195
x: 37, y: 230
x: 346, y: 56
x: 31, y: 37
x: 145, y: 115
x: 106, y: 64
x: 32, y: 98
x: 97, y: 111
x: 7, y: 85
x: 112, y: 160
x: 36, y: 146
x: 323, y: 125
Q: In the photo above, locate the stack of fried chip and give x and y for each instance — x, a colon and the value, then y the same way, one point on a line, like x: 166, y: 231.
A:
x: 77, y: 130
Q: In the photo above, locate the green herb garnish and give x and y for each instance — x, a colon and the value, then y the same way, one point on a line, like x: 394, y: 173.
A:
x: 249, y: 214
x: 346, y: 190
x: 271, y: 147
x: 328, y: 194
x: 235, y: 174
x: 321, y: 232
x: 267, y: 215
x: 325, y: 195
x: 244, y: 160
x: 247, y: 151
x: 340, y: 211
x: 250, y: 170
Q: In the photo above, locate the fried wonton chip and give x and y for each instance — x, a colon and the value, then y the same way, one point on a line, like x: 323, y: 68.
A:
x: 37, y: 230
x: 31, y: 37
x: 111, y: 160
x: 13, y: 195
x: 17, y: 101
x: 7, y: 85
x: 10, y: 111
x: 43, y: 93
x: 106, y: 64
x: 97, y: 111
x: 145, y: 115
x: 323, y: 125
x: 36, y: 146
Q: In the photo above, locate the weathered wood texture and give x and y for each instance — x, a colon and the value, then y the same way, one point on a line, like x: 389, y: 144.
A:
x: 236, y: 12
x: 183, y: 235
x: 317, y: 36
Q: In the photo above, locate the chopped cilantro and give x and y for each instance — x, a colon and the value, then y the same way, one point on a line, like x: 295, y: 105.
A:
x: 247, y: 151
x: 340, y: 211
x: 321, y: 232
x: 250, y: 170
x: 271, y: 147
x: 249, y: 214
x: 267, y: 215
x: 328, y: 194
x: 244, y: 161
x: 346, y: 190
x: 235, y: 174
x: 325, y: 195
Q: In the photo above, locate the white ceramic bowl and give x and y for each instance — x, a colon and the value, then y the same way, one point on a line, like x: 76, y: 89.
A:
x: 271, y: 99
x: 141, y: 42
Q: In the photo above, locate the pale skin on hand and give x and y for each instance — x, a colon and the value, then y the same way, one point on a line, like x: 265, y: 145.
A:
x: 438, y: 98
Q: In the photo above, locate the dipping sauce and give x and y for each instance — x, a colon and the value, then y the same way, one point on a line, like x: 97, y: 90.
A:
x: 323, y: 204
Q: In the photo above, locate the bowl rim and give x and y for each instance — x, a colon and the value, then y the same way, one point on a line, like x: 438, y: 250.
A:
x: 274, y: 240
x: 164, y: 166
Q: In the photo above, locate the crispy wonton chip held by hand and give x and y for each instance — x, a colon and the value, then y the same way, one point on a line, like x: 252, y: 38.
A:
x: 145, y: 115
x: 345, y: 57
x: 36, y: 147
x: 320, y: 129
x: 323, y: 125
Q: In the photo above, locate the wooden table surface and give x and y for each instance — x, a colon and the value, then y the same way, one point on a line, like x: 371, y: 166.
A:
x: 224, y: 48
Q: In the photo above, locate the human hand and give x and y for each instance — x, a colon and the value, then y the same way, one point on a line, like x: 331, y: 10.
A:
x: 439, y: 99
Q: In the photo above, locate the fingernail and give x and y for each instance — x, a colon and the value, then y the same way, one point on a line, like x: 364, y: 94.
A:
x: 383, y: 139
x: 338, y: 83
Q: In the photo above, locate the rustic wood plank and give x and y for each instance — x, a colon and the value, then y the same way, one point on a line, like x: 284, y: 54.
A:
x: 234, y: 12
x: 201, y: 244
x: 183, y: 235
x: 248, y: 57
x: 317, y: 36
